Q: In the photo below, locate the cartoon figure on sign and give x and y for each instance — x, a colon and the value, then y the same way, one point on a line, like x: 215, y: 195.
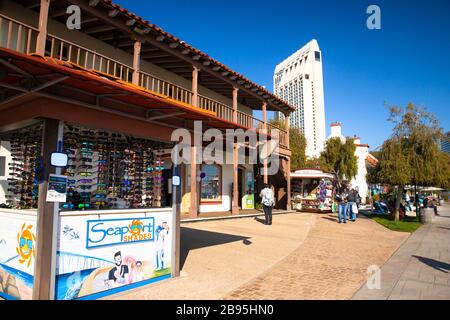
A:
x: 161, y: 233
x: 119, y: 274
x: 26, y: 244
x: 135, y: 227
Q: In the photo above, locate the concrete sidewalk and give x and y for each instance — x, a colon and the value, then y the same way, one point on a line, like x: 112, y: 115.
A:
x: 420, y: 269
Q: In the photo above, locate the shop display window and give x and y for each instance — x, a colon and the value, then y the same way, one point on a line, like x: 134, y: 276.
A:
x: 110, y: 170
x: 25, y: 167
x: 211, y: 183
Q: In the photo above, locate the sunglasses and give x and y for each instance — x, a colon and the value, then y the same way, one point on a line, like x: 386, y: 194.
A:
x: 85, y: 166
x: 86, y: 154
x: 84, y: 205
x: 68, y: 206
x: 86, y: 174
x: 28, y: 242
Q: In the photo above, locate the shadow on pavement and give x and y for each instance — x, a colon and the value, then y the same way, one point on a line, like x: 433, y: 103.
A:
x: 446, y: 228
x: 263, y: 221
x: 438, y: 265
x: 195, y: 239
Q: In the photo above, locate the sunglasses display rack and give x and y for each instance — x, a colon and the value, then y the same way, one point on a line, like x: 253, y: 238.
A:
x: 109, y: 170
x: 23, y: 189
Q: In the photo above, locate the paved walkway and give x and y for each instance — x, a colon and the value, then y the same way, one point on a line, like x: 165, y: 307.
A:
x: 218, y: 256
x: 420, y: 269
x: 331, y: 264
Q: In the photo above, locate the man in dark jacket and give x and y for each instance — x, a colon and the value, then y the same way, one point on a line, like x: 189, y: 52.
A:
x: 352, y: 198
x: 342, y: 204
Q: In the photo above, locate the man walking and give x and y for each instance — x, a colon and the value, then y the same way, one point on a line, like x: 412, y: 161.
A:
x: 352, y: 198
x: 268, y: 202
x: 342, y: 204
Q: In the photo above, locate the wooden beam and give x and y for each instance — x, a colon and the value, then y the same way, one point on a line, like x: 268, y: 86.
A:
x: 155, y: 56
x: 46, y: 218
x: 136, y: 62
x: 165, y: 116
x: 59, y: 13
x: 194, y: 90
x: 193, y: 209
x: 42, y: 26
x: 102, y: 28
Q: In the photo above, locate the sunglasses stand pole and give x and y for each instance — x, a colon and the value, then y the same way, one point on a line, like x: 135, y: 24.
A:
x: 176, y: 199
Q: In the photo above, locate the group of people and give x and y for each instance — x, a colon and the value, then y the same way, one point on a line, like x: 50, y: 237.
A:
x: 387, y: 204
x: 348, y: 200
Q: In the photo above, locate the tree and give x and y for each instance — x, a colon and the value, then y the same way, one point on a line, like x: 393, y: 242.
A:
x: 297, y: 142
x: 411, y: 155
x: 339, y: 158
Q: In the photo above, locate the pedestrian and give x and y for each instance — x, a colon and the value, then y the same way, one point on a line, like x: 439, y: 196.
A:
x: 268, y: 202
x: 430, y: 202
x: 352, y: 198
x: 407, y: 202
x: 342, y: 204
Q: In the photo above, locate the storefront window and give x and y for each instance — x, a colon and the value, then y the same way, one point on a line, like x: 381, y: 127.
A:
x: 211, y: 183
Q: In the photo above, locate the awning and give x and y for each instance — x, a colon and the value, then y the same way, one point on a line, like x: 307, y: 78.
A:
x: 311, y: 174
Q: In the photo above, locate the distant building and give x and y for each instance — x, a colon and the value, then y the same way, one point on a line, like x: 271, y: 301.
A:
x: 364, y: 159
x: 444, y: 143
x: 298, y: 80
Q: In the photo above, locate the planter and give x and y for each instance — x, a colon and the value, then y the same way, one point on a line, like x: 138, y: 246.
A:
x: 426, y: 215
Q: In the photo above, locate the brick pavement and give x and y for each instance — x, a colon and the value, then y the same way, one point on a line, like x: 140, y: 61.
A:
x: 331, y: 264
x: 420, y: 269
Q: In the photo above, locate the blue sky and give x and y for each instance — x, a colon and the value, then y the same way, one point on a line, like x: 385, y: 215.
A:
x: 407, y: 60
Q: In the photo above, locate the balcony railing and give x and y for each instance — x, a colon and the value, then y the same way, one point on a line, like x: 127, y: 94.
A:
x: 17, y: 36
x: 168, y: 89
x: 20, y: 37
x: 222, y: 110
x: 67, y: 51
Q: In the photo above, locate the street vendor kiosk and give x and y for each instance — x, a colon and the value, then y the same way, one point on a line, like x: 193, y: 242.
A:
x: 312, y: 190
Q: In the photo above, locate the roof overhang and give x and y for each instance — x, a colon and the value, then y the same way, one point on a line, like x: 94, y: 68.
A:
x: 118, y: 27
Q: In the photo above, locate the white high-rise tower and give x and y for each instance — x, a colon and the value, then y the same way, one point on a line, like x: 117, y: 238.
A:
x: 298, y: 80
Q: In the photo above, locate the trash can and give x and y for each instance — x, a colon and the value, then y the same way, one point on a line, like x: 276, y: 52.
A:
x: 426, y: 215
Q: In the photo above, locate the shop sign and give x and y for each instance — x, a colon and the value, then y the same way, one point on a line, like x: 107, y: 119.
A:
x: 119, y: 231
x: 57, y: 188
x: 249, y: 197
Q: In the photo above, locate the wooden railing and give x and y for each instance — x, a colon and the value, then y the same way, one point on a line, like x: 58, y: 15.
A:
x: 222, y: 110
x: 67, y: 51
x: 164, y: 87
x: 17, y: 36
x: 20, y: 37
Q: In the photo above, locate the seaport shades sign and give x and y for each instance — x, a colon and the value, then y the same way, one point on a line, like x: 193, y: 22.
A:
x: 102, y: 233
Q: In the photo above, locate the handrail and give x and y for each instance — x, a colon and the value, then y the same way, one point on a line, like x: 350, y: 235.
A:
x: 89, y: 59
x: 166, y: 88
x: 222, y: 110
x: 21, y: 37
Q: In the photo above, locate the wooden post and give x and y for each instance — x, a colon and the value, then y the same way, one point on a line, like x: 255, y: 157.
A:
x: 235, y: 104
x: 195, y: 86
x: 288, y: 164
x: 193, y: 210
x: 287, y: 127
x: 235, y: 206
x: 136, y: 62
x: 264, y: 111
x: 45, y: 218
x: 42, y: 27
